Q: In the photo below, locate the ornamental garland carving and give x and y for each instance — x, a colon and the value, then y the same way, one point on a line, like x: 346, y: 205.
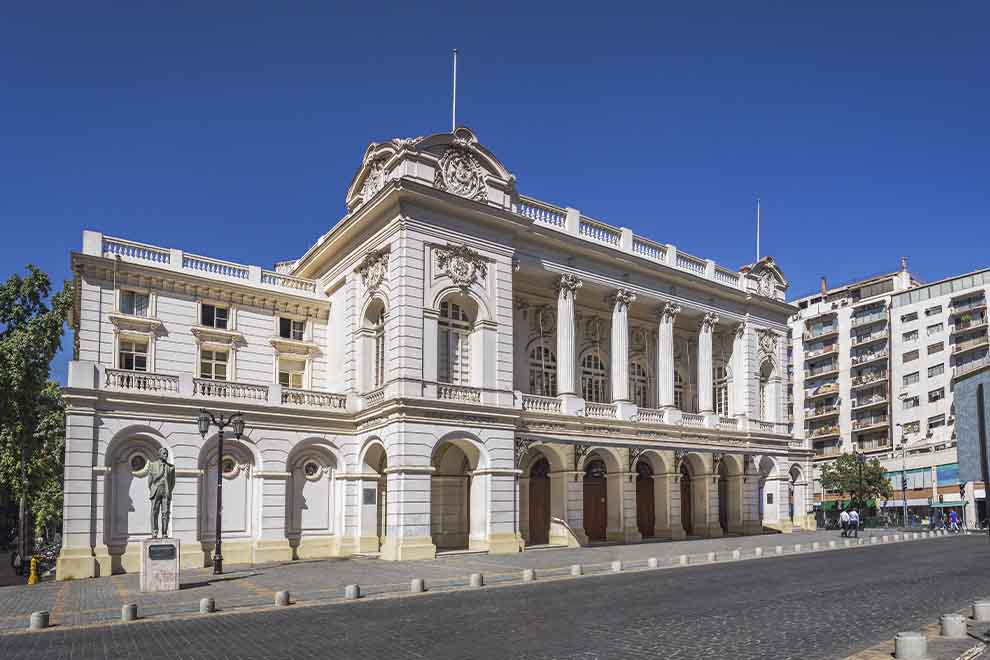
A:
x: 768, y: 343
x: 462, y: 265
x: 568, y: 285
x: 459, y: 173
x: 373, y: 268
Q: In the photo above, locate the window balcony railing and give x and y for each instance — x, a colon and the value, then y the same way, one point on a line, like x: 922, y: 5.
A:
x: 140, y: 381
x: 313, y: 399
x: 548, y: 405
x: 866, y: 358
x: 861, y: 340
x: 600, y: 410
x: 970, y: 367
x: 458, y: 393
x: 822, y: 390
x: 817, y: 372
x: 967, y: 305
x: 820, y: 352
x: 820, y: 412
x: 374, y: 397
x: 866, y: 402
x: 969, y: 324
x: 824, y: 431
x: 970, y: 344
x: 867, y: 319
x: 869, y: 422
x: 222, y: 389
x: 869, y: 378
x: 819, y: 333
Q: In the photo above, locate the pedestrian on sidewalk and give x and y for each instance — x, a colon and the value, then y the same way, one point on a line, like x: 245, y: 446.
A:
x: 844, y: 522
x: 953, y: 521
x: 854, y: 522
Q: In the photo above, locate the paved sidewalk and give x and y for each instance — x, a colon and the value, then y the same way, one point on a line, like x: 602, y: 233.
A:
x: 99, y: 600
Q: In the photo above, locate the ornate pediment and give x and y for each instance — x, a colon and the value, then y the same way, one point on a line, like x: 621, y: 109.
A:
x: 462, y: 265
x: 135, y: 324
x: 206, y: 335
x: 766, y: 279
x: 294, y: 346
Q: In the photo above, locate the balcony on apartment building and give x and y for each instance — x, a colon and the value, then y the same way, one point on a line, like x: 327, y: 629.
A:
x: 863, y: 402
x: 867, y: 423
x: 870, y: 337
x: 863, y: 359
x: 820, y: 432
x: 968, y: 321
x: 827, y: 449
x: 823, y: 370
x: 820, y: 412
x: 823, y: 390
x: 868, y: 319
x: 873, y: 442
x: 821, y: 332
x: 963, y: 369
x: 967, y: 304
x: 823, y: 351
x: 974, y: 343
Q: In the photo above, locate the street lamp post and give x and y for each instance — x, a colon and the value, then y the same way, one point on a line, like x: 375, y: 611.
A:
x: 236, y: 422
x: 861, y: 459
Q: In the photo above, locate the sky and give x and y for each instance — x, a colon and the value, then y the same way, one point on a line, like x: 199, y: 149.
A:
x: 232, y: 129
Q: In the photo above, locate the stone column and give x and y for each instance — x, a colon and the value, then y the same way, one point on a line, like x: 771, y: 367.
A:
x: 620, y: 302
x: 706, y: 326
x: 76, y: 558
x: 665, y: 356
x: 567, y: 288
x: 740, y: 381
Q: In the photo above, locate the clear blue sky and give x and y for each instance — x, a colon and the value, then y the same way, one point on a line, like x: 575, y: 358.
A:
x: 233, y: 129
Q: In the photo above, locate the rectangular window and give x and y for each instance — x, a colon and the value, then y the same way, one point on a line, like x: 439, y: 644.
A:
x: 932, y: 311
x: 936, y: 370
x: 134, y: 303
x: 133, y: 355
x: 936, y: 421
x: 935, y: 348
x: 936, y: 395
x: 910, y: 336
x: 912, y: 427
x: 213, y: 316
x: 213, y: 365
x: 291, y: 373
x: 291, y: 328
x: 935, y: 329
x: 911, y: 378
x: 910, y: 356
x: 912, y: 402
x: 907, y: 318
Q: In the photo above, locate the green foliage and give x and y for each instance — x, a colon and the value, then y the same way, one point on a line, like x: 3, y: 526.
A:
x: 32, y: 437
x: 844, y: 475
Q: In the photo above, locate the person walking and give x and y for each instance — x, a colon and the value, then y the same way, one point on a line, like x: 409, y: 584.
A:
x: 844, y: 522
x: 953, y: 521
x: 854, y: 522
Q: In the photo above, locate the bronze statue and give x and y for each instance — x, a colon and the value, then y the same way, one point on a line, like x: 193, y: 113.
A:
x: 161, y: 483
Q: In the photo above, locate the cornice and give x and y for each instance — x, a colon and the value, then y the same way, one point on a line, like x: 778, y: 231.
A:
x: 129, y: 323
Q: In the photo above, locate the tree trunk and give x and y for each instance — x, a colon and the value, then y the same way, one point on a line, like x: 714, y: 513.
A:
x: 22, y: 526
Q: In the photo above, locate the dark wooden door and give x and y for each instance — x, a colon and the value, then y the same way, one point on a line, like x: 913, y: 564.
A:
x: 539, y: 509
x: 645, y: 513
x: 723, y: 504
x: 687, y: 520
x: 594, y: 508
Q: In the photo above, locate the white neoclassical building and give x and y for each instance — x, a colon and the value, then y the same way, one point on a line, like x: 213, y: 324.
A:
x: 452, y: 366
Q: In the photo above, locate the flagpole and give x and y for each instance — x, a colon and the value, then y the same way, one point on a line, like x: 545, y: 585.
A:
x: 453, y: 111
x: 757, y: 229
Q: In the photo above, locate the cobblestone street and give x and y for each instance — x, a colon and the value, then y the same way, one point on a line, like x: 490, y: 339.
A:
x: 787, y: 607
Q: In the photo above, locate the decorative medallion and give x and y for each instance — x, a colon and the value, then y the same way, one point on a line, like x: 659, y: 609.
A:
x: 460, y: 174
x: 373, y: 268
x: 767, y: 286
x: 768, y: 343
x: 462, y: 265
x: 568, y: 285
x: 375, y: 180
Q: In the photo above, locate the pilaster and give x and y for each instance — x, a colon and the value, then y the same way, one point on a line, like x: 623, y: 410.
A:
x: 666, y: 315
x: 706, y: 326
x: 567, y: 288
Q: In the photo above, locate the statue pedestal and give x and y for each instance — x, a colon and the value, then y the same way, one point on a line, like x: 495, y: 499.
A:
x: 159, y: 565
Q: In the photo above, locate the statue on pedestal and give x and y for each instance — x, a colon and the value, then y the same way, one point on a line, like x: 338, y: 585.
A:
x: 161, y: 483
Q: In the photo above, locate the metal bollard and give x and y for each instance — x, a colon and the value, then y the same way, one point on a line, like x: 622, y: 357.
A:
x: 758, y: 553
x: 281, y: 598
x: 981, y: 611
x: 737, y: 554
x: 910, y: 646
x: 653, y: 562
x: 576, y: 570
x: 953, y: 626
x: 417, y: 585
x: 352, y: 592
x: 529, y: 575
x: 477, y: 580
x: 39, y: 620
x: 682, y: 560
x: 616, y: 566
x: 128, y: 612
x: 207, y: 605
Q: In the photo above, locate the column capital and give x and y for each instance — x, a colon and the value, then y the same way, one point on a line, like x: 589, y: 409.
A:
x: 740, y: 329
x: 568, y: 285
x: 622, y: 298
x: 668, y: 311
x: 708, y: 322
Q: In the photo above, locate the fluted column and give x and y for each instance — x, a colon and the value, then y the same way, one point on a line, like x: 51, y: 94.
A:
x: 706, y: 326
x: 567, y: 288
x: 665, y: 354
x: 620, y: 302
x: 740, y: 380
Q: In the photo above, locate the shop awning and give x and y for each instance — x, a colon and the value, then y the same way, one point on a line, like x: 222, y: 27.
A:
x: 896, y: 504
x: 829, y: 505
x: 942, y: 505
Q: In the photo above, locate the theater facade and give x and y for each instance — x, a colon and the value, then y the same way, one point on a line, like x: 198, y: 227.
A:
x: 453, y: 366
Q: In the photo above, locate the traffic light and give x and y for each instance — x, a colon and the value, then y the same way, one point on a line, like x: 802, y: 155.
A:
x: 962, y: 490
x: 903, y: 483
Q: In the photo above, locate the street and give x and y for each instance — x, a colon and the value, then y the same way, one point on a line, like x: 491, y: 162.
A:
x: 821, y: 605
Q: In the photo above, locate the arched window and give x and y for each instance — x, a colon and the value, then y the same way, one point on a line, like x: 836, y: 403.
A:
x: 542, y: 371
x: 379, y: 367
x: 594, y: 378
x: 679, y: 392
x: 639, y: 385
x: 454, y: 350
x: 720, y: 389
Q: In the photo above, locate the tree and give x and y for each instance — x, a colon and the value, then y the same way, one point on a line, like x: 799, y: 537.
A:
x: 861, y: 483
x: 31, y: 437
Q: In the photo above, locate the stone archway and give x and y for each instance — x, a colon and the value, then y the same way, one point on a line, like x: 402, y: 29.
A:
x: 539, y: 502
x: 374, y: 498
x: 458, y: 498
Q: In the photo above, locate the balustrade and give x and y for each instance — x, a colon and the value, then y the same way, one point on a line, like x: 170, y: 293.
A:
x: 214, y: 266
x: 599, y: 231
x: 458, y: 393
x: 313, y: 399
x: 541, y: 212
x: 693, y: 264
x: 287, y: 281
x: 600, y: 410
x: 649, y: 249
x: 541, y: 404
x: 221, y: 389
x: 114, y: 247
x: 140, y: 381
x: 375, y: 397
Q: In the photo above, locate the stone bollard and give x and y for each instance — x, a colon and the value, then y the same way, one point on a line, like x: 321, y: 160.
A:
x: 779, y: 550
x: 417, y: 585
x: 981, y: 611
x: 797, y: 547
x: 616, y: 566
x: 832, y: 545
x: 281, y: 598
x: 848, y: 543
x: 874, y: 540
x: 737, y: 554
x: 39, y: 620
x: 207, y: 605
x: 529, y: 575
x: 910, y: 646
x: 576, y: 570
x: 816, y: 546
x: 758, y: 552
x: 885, y: 539
x: 953, y: 626
x: 352, y: 592
x: 653, y: 562
x: 477, y: 580
x: 860, y: 541
x: 711, y: 556
x: 916, y: 536
x: 128, y: 612
x: 682, y: 560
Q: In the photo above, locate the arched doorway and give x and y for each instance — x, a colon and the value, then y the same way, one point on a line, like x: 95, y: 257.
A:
x: 374, y: 497
x: 723, y: 497
x: 687, y: 515
x: 458, y: 498
x: 646, y: 519
x: 539, y: 502
x: 595, y: 500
